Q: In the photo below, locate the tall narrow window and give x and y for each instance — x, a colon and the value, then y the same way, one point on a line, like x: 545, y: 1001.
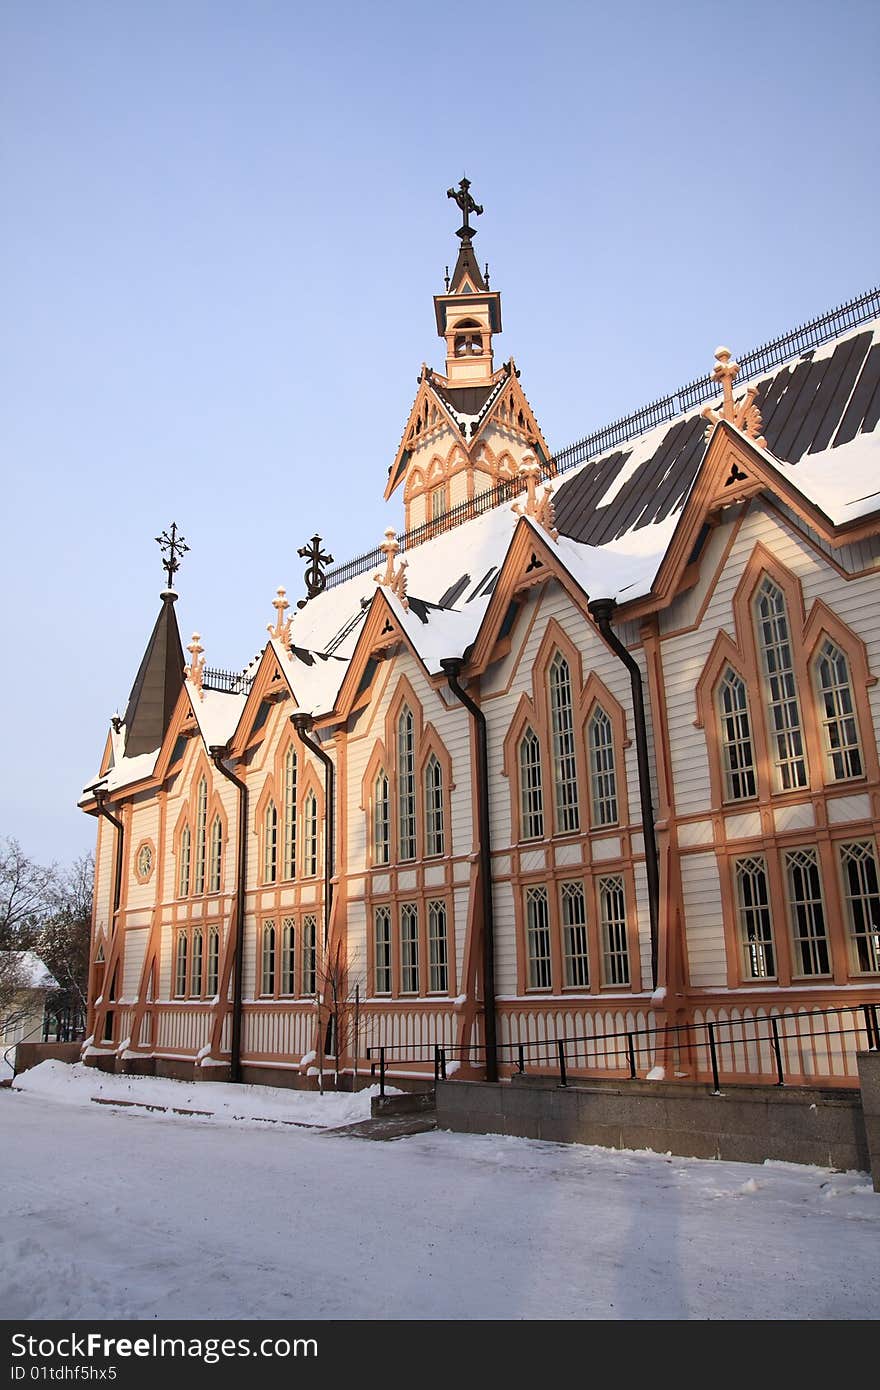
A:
x: 438, y: 958
x: 185, y: 852
x: 538, y: 938
x: 755, y: 926
x: 862, y: 894
x: 310, y: 954
x: 406, y: 784
x: 310, y: 845
x: 270, y: 844
x: 198, y: 962
x: 783, y: 708
x: 574, y: 935
x: 381, y: 820
x: 213, y: 973
x: 290, y: 813
x: 409, y: 948
x: 180, y: 965
x: 737, y: 754
x: 382, y: 950
x: 438, y: 502
x: 562, y: 737
x: 201, y: 833
x: 811, y: 954
x: 288, y: 955
x: 531, y: 793
x: 267, y: 973
x: 603, y: 776
x: 612, y: 925
x: 216, y: 860
x: 433, y: 806
x: 838, y: 713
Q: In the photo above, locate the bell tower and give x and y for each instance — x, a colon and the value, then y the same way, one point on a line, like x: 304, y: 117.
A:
x: 469, y: 313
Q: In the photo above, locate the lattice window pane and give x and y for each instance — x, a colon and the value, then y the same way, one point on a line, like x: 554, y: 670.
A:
x: 612, y: 924
x: 862, y: 895
x: 406, y: 784
x: 603, y: 775
x: 562, y: 738
x: 201, y: 830
x: 538, y: 937
x: 438, y: 959
x: 195, y: 983
x: 574, y: 935
x: 288, y: 956
x: 290, y: 777
x: 267, y: 973
x: 530, y: 787
x: 270, y: 844
x: 409, y: 948
x: 310, y: 846
x: 185, y: 852
x: 213, y: 979
x: 216, y: 855
x: 382, y: 950
x: 434, y: 836
x: 811, y: 954
x: 180, y: 965
x: 839, y: 726
x: 381, y: 821
x: 783, y: 708
x: 737, y: 752
x: 755, y: 922
x: 310, y: 954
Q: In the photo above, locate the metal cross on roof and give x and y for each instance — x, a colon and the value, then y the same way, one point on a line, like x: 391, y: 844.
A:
x: 462, y: 196
x: 173, y: 546
x: 316, y: 579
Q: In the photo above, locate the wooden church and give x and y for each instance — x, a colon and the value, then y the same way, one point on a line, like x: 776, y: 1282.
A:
x: 580, y: 768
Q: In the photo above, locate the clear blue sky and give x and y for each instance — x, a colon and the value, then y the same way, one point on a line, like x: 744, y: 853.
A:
x: 223, y: 227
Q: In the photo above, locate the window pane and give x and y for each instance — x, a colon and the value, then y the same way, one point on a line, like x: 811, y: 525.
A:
x: 438, y: 965
x: 783, y: 709
x: 381, y: 821
x: 310, y: 948
x: 574, y: 935
x: 811, y: 955
x: 288, y: 955
x: 216, y: 854
x: 862, y: 894
x: 195, y: 984
x: 433, y: 807
x: 562, y: 734
x: 201, y: 828
x: 180, y: 966
x: 310, y: 848
x: 756, y: 932
x: 270, y: 844
x: 183, y: 885
x: 530, y: 789
x: 838, y: 713
x: 538, y: 938
x: 737, y: 754
x: 612, y: 921
x: 213, y: 961
x: 382, y: 949
x: 406, y: 784
x: 267, y: 978
x: 409, y: 948
x: 290, y: 813
x: 603, y: 777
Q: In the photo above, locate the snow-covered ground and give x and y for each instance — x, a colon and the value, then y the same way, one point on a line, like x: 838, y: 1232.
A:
x: 133, y: 1213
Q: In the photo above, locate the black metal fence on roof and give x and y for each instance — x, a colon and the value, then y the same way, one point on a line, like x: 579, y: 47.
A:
x: 228, y: 682
x: 761, y: 359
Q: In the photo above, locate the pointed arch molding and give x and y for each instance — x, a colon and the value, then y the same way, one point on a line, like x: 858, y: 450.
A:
x: 743, y: 656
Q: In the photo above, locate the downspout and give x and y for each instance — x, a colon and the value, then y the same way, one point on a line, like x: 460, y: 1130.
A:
x: 101, y: 803
x: 303, y: 723
x: 601, y: 610
x: 217, y: 754
x: 452, y: 670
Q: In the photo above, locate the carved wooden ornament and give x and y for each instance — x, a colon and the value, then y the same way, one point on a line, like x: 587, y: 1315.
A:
x: 744, y: 414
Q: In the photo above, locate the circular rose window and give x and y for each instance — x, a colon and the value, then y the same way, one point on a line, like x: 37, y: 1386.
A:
x: 144, y: 862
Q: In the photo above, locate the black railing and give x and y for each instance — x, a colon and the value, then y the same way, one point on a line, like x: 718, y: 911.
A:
x: 229, y: 682
x: 809, y: 335
x: 722, y: 1043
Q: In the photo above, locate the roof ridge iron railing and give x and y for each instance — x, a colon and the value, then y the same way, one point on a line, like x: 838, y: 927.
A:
x: 227, y: 682
x: 704, y: 388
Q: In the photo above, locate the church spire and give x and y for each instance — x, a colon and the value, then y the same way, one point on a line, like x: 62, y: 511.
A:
x: 469, y: 313
x: 159, y: 680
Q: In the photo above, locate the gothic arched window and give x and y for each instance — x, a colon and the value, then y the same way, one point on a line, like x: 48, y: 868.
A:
x: 737, y: 752
x: 406, y: 784
x: 433, y: 806
x: 603, y: 775
x: 837, y: 712
x: 531, y: 793
x: 562, y: 739
x: 290, y: 813
x: 783, y: 706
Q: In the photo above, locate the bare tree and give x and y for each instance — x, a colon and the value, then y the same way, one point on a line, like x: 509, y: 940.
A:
x: 338, y: 1013
x: 65, y: 935
x: 27, y: 893
x: 15, y: 1001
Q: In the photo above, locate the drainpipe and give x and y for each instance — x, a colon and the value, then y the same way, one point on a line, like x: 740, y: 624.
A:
x: 601, y: 610
x: 101, y: 803
x: 304, y: 723
x: 217, y: 753
x: 451, y: 667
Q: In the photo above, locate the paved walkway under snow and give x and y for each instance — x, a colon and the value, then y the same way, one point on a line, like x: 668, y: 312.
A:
x: 132, y: 1214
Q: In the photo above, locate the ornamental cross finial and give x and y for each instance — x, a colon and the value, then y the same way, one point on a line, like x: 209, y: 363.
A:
x: 195, y: 671
x: 744, y: 414
x: 173, y: 546
x: 316, y: 579
x: 540, y: 509
x: 462, y: 196
x: 393, y: 578
x: 280, y: 629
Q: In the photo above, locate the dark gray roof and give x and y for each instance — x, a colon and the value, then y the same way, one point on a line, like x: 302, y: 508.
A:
x: 157, y: 685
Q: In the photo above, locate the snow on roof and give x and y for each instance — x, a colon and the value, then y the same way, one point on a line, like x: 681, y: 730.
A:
x: 35, y: 972
x: 843, y: 482
x: 217, y: 714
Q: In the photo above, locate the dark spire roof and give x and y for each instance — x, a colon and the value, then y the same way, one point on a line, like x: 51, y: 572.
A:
x: 157, y: 684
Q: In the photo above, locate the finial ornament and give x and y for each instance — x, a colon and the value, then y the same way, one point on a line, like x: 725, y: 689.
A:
x: 462, y: 196
x: 172, y: 546
x: 315, y: 577
x: 195, y: 671
x: 280, y: 629
x: 393, y: 578
x: 540, y: 509
x: 744, y: 414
